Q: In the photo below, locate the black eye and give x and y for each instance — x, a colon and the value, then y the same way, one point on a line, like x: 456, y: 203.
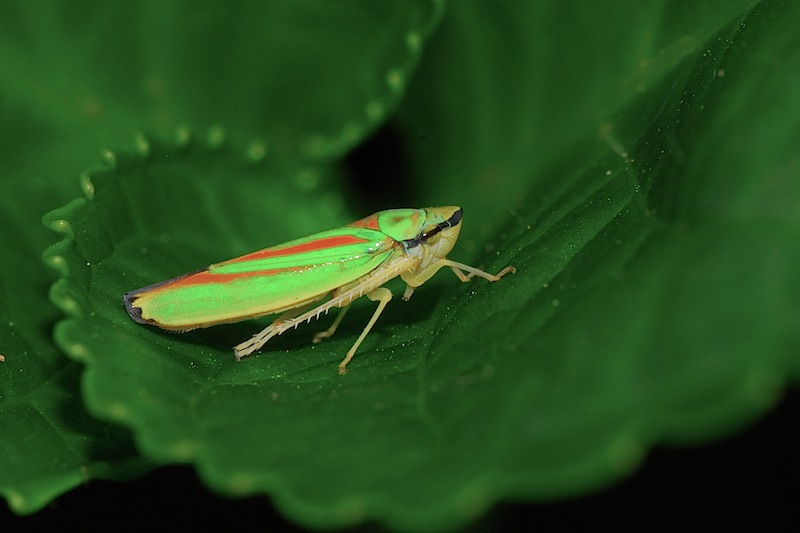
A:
x: 429, y: 232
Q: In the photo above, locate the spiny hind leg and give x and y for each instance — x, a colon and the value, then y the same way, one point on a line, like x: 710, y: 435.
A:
x: 383, y: 296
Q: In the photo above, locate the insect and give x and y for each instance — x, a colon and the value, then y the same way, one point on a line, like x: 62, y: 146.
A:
x: 337, y: 266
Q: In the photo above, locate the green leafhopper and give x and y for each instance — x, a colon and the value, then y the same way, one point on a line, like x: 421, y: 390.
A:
x: 303, y: 278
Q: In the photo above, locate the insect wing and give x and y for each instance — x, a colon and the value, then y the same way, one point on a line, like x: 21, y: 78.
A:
x: 268, y: 281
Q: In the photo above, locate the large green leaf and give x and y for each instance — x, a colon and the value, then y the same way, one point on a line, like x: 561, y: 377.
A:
x: 636, y: 162
x: 48, y: 443
x: 656, y: 297
x: 79, y: 78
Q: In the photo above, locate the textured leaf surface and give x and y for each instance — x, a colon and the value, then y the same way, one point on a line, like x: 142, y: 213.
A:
x: 637, y: 163
x: 656, y: 299
x: 48, y: 443
x: 79, y: 79
x: 49, y: 129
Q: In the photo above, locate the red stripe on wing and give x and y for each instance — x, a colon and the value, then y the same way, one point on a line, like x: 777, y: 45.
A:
x: 204, y: 276
x: 311, y: 246
x: 198, y: 278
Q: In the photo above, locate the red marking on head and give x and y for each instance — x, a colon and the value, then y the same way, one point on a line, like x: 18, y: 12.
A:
x: 370, y: 222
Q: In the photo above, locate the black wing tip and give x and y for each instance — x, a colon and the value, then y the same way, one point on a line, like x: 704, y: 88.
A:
x: 129, y: 299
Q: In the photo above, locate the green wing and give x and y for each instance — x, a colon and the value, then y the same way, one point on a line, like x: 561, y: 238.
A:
x: 265, y: 282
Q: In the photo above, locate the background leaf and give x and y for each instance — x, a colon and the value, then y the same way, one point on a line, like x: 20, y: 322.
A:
x: 637, y: 164
x: 49, y: 129
x: 80, y: 78
x: 49, y: 443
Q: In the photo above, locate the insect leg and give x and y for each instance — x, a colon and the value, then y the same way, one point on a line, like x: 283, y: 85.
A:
x: 331, y: 330
x: 382, y: 295
x: 260, y: 339
x: 457, y: 268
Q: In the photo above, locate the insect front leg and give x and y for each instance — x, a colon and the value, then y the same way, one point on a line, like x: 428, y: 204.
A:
x: 383, y: 296
x: 414, y: 281
x: 459, y: 268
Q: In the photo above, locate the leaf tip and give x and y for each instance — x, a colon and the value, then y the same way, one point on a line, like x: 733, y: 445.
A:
x: 215, y: 136
x: 257, y: 150
x: 183, y: 135
x: 57, y: 263
x: 142, y: 144
x: 86, y: 186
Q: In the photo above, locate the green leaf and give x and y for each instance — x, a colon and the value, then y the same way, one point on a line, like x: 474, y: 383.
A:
x: 79, y: 78
x: 655, y: 300
x: 48, y: 443
x: 637, y: 163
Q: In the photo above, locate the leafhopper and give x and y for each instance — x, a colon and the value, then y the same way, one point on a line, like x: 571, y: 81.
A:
x: 306, y: 277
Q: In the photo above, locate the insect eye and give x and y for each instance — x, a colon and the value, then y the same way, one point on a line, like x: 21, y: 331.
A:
x: 431, y: 236
x: 428, y: 233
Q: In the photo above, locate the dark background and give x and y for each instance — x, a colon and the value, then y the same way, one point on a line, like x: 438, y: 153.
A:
x: 748, y: 482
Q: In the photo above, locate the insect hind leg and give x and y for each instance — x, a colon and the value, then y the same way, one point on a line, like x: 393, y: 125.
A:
x: 278, y: 326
